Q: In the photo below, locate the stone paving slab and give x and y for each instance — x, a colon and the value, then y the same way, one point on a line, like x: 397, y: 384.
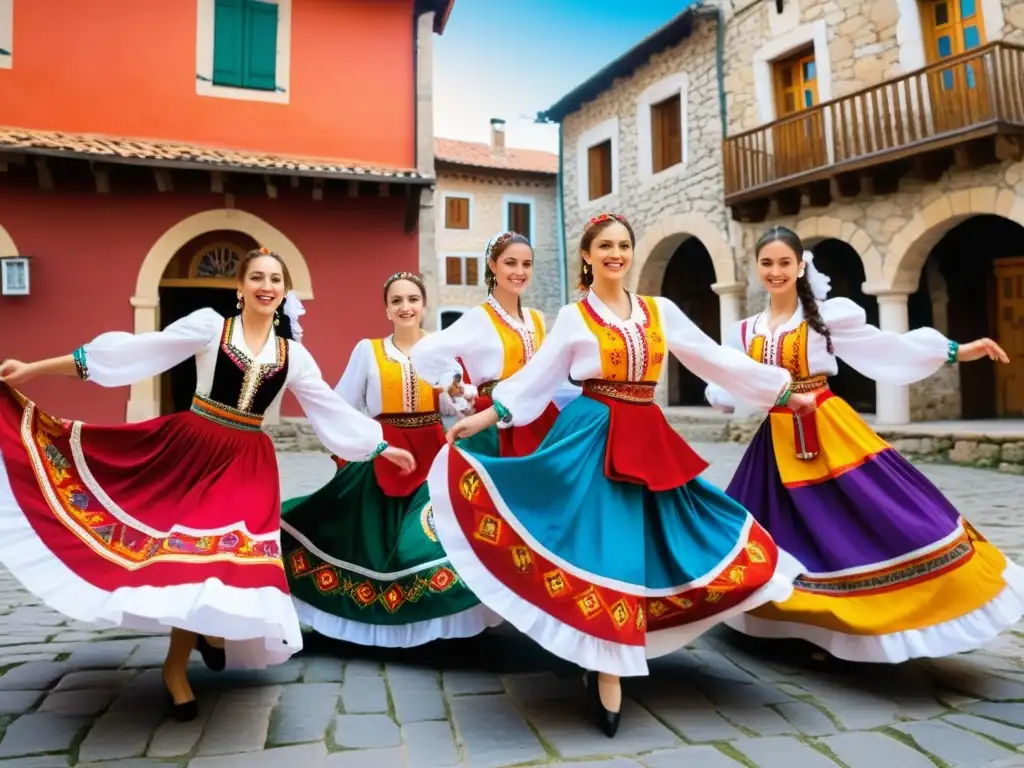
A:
x: 74, y: 696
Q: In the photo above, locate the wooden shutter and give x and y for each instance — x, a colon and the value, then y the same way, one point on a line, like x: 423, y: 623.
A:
x: 456, y: 213
x: 666, y: 134
x: 472, y: 272
x: 519, y: 219
x: 228, y: 42
x: 599, y: 162
x: 260, y: 64
x: 453, y: 270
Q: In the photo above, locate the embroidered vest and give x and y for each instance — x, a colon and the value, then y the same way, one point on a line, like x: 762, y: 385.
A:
x: 245, y: 385
x: 401, y: 389
x: 634, y: 353
x: 518, y: 344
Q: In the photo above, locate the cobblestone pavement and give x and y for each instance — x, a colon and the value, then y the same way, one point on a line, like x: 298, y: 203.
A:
x: 70, y: 695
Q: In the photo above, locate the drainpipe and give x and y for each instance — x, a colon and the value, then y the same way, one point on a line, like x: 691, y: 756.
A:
x: 717, y: 12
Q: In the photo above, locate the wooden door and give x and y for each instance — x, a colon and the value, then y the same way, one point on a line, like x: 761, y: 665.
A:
x: 798, y: 143
x: 959, y: 94
x: 1010, y: 334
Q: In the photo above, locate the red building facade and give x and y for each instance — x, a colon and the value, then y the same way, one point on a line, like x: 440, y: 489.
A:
x: 136, y: 173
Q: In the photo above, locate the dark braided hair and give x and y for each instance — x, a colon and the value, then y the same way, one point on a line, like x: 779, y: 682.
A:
x: 282, y: 323
x: 497, y: 247
x: 804, y: 292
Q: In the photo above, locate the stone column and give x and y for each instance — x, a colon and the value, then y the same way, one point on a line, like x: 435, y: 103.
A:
x: 730, y: 304
x: 892, y: 401
x: 144, y: 396
x: 425, y: 164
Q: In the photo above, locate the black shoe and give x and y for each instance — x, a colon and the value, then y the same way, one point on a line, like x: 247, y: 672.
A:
x: 214, y: 658
x: 607, y: 721
x: 185, y: 712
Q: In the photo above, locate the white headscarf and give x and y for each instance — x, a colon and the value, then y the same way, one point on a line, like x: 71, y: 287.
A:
x: 820, y: 283
x: 293, y: 310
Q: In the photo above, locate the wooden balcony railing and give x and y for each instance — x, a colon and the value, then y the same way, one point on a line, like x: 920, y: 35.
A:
x: 975, y: 94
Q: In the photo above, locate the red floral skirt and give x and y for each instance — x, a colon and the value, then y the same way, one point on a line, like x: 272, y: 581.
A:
x: 172, y: 522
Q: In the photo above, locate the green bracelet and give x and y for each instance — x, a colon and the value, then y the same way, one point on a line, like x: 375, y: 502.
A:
x: 953, y: 353
x: 378, y: 451
x: 504, y: 415
x: 784, y: 397
x: 81, y: 364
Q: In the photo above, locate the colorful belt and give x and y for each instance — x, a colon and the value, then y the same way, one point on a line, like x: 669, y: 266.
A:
x: 809, y: 384
x: 410, y: 420
x: 225, y: 415
x: 625, y: 391
x: 485, y: 389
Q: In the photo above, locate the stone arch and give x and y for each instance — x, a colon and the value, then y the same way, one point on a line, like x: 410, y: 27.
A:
x: 144, y: 401
x: 909, y: 249
x: 816, y: 228
x: 7, y: 246
x: 659, y: 242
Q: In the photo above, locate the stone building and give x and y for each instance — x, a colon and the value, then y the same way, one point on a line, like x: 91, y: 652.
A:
x: 888, y: 134
x: 483, y: 189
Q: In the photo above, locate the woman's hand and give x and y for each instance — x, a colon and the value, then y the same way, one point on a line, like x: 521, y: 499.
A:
x: 16, y: 373
x: 470, y: 425
x: 400, y: 458
x: 976, y: 350
x: 802, y: 403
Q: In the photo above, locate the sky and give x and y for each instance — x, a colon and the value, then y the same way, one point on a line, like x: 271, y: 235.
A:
x: 513, y: 60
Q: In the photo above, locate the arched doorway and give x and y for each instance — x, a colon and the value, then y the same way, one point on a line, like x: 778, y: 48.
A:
x: 838, y: 259
x: 972, y: 285
x: 689, y: 275
x: 201, y: 274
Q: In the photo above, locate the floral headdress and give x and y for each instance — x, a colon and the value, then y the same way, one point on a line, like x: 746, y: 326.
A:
x: 499, y: 239
x: 602, y: 217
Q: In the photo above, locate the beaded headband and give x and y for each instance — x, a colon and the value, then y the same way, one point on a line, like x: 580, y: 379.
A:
x: 403, y: 276
x: 499, y: 239
x: 264, y: 251
x: 602, y: 217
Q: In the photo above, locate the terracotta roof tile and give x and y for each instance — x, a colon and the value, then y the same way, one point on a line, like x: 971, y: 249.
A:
x: 479, y: 155
x: 169, y: 153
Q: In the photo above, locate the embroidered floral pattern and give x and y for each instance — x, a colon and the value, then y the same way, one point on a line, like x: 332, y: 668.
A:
x: 254, y: 374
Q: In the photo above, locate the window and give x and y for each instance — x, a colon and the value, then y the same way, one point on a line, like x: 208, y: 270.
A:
x: 953, y: 27
x: 14, y: 278
x: 462, y: 269
x: 666, y: 133
x: 245, y: 44
x: 599, y: 170
x: 6, y: 34
x: 796, y: 83
x: 597, y: 164
x: 519, y: 217
x: 456, y: 213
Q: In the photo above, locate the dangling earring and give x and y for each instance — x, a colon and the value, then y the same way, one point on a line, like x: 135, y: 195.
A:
x: 277, y: 316
x: 239, y: 304
x: 588, y: 269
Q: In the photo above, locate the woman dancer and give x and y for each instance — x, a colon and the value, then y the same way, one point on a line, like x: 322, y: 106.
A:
x: 604, y: 546
x: 363, y: 560
x: 490, y: 343
x: 890, y: 570
x: 174, y: 522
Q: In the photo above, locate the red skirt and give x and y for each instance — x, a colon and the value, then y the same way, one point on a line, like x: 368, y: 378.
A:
x: 173, y: 522
x: 521, y: 439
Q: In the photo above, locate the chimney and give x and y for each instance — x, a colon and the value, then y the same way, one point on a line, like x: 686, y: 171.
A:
x: 497, y: 136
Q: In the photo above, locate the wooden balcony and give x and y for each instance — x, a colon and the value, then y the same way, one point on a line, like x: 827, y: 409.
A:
x: 966, y: 111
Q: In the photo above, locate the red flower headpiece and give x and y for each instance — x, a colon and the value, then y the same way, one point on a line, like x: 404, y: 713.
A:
x: 605, y: 217
x: 264, y: 251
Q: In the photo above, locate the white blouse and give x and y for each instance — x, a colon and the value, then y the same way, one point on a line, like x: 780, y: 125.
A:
x: 474, y: 339
x: 360, y: 384
x: 573, y: 350
x: 891, y: 358
x: 117, y: 359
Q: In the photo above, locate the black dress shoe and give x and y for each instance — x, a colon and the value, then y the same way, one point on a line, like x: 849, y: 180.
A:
x: 214, y: 658
x: 184, y: 712
x: 607, y: 721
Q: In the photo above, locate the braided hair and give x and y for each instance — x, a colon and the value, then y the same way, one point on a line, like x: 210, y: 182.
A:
x: 804, y: 292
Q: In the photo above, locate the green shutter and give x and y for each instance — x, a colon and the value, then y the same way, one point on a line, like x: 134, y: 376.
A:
x: 228, y: 42
x: 260, y: 63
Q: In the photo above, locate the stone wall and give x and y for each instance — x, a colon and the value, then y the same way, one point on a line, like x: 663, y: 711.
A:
x: 487, y: 219
x: 695, y: 188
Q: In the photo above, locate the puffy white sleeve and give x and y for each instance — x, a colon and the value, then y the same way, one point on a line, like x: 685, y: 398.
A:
x: 351, y: 387
x: 567, y: 391
x: 526, y: 393
x: 716, y: 395
x: 732, y: 370
x: 117, y: 358
x: 435, y: 357
x: 346, y: 432
x: 891, y: 358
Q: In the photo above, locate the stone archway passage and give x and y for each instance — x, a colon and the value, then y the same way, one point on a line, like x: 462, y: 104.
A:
x: 815, y: 229
x: 144, y: 400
